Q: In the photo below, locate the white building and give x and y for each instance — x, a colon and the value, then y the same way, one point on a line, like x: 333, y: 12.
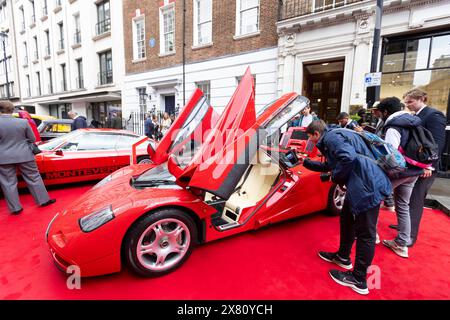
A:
x: 7, y: 36
x: 71, y: 56
x: 325, y: 51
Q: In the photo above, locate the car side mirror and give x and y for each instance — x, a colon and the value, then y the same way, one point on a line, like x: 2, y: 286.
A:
x: 59, y: 152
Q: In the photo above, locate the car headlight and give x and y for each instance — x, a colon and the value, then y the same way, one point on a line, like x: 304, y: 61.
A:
x: 103, y: 182
x: 97, y: 219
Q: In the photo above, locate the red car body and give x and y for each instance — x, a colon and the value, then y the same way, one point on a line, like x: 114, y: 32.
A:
x: 197, y: 190
x: 60, y: 162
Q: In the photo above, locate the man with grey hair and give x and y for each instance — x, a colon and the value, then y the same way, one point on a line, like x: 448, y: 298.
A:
x: 79, y: 122
x: 15, y: 138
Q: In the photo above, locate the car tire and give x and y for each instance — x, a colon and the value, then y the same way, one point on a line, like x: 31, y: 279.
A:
x: 167, y: 234
x: 336, y: 198
x: 143, y: 160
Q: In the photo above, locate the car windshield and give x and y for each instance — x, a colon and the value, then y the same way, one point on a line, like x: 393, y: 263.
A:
x: 54, y: 143
x: 156, y: 176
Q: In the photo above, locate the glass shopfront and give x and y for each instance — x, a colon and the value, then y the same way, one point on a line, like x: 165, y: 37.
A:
x: 418, y: 62
x: 106, y: 114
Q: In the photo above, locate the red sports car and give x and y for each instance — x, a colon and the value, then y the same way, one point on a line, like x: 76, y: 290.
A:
x: 237, y: 179
x: 87, y: 154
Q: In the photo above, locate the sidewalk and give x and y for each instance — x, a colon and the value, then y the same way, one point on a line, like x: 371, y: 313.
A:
x: 439, y: 195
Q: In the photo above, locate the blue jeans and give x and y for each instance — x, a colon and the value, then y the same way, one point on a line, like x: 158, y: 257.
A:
x: 402, y: 193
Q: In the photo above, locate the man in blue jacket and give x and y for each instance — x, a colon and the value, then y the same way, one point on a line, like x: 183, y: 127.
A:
x: 352, y: 165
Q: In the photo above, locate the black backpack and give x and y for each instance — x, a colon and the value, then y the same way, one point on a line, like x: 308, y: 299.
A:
x: 420, y: 150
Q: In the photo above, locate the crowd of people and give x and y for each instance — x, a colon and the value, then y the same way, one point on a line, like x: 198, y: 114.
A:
x: 354, y: 167
x: 155, y: 129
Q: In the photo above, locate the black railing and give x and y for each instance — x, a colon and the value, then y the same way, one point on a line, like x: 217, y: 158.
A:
x: 295, y: 8
x: 105, y: 77
x: 77, y: 37
x: 80, y: 83
x: 103, y: 26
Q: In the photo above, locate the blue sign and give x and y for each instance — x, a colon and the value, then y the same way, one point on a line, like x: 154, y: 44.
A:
x: 152, y: 42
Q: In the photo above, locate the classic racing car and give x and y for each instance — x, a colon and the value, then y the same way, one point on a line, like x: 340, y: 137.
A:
x: 239, y: 178
x: 87, y: 154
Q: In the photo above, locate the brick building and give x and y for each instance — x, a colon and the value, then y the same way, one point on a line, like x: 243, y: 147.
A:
x: 222, y: 38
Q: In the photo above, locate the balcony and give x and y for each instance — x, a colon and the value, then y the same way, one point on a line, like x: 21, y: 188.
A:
x: 103, y: 26
x: 105, y: 78
x: 295, y: 8
x: 80, y: 83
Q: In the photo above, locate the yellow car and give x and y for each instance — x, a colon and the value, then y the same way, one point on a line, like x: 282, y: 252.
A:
x: 37, y: 118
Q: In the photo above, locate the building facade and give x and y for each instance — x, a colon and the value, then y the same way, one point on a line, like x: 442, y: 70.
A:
x: 221, y: 38
x: 9, y: 84
x: 71, y: 56
x: 326, y: 47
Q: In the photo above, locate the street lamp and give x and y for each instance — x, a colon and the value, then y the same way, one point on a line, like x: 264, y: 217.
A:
x: 4, y: 35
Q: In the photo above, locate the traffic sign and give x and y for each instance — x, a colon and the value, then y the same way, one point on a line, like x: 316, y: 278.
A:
x: 372, y: 79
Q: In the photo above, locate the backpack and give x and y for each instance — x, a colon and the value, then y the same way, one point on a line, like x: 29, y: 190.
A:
x: 420, y: 150
x: 390, y: 160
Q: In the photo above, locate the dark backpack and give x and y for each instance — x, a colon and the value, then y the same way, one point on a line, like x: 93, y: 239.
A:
x: 420, y: 150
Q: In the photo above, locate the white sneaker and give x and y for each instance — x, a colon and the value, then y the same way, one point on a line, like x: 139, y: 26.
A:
x: 401, y: 251
x: 377, y: 240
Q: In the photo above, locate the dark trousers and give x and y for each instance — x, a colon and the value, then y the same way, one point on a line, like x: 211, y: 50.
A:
x: 363, y: 227
x: 417, y: 202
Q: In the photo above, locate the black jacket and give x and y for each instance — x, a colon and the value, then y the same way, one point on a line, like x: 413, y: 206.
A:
x: 79, y: 123
x: 435, y: 122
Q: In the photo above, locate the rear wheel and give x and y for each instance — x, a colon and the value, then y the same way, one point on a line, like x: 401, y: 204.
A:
x: 336, y: 198
x: 160, y: 242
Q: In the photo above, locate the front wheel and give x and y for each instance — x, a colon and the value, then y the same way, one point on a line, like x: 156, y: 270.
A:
x: 144, y: 160
x: 160, y: 242
x: 336, y: 197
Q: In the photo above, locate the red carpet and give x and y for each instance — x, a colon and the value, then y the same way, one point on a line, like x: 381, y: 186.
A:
x: 279, y: 262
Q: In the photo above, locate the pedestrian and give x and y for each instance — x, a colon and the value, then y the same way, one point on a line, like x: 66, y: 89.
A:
x: 15, y: 138
x: 79, y: 122
x: 434, y: 121
x: 306, y: 118
x: 149, y: 127
x: 345, y: 122
x: 397, y: 131
x: 165, y: 123
x: 25, y: 115
x: 116, y: 121
x: 352, y: 166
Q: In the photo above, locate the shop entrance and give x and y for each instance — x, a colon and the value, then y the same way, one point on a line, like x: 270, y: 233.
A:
x: 322, y: 84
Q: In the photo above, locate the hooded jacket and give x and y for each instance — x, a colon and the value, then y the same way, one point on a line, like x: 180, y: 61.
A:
x: 349, y: 160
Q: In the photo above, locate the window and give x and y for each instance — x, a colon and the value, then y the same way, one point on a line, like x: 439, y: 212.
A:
x: 61, y: 36
x: 103, y: 17
x: 202, y: 22
x: 125, y: 141
x: 247, y: 17
x: 106, y: 71
x: 44, y: 8
x: 38, y: 80
x: 142, y: 93
x: 77, y: 35
x: 139, y: 39
x: 92, y: 141
x: 205, y: 86
x: 22, y: 19
x: 80, y: 81
x: 36, y: 48
x: 57, y: 3
x: 322, y: 5
x: 29, y: 86
x: 63, y: 77
x: 50, y: 80
x: 25, y: 51
x: 47, y: 39
x: 418, y: 62
x: 167, y: 30
x: 33, y: 12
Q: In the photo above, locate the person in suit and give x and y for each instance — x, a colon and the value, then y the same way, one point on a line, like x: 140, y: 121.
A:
x: 15, y: 138
x: 433, y: 120
x: 79, y: 122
